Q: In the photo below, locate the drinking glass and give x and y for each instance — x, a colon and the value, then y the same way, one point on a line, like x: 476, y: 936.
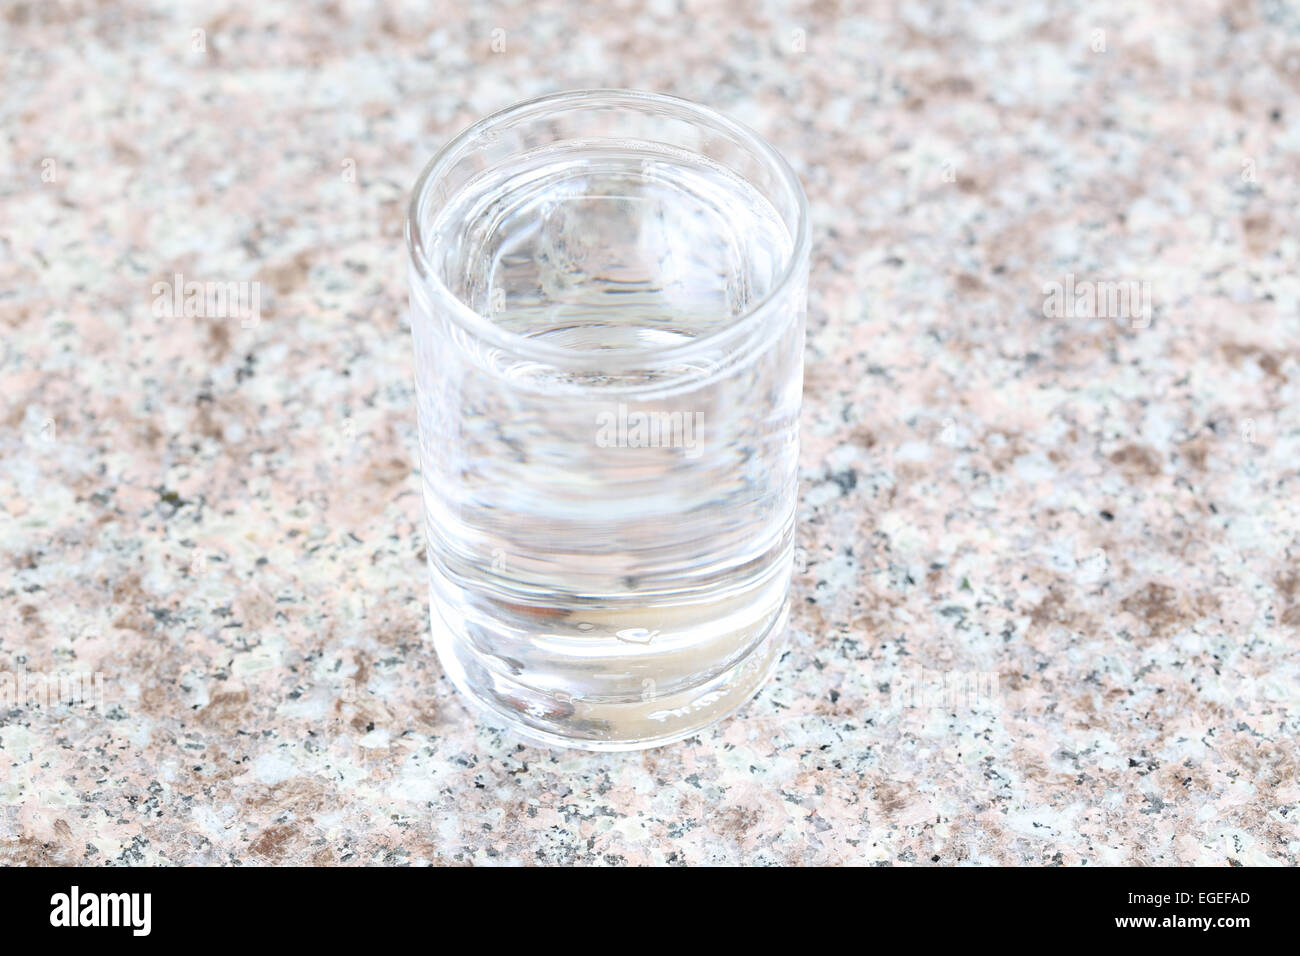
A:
x: 607, y: 303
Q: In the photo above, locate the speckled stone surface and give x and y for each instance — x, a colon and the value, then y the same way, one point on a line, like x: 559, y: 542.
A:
x: 1090, y: 523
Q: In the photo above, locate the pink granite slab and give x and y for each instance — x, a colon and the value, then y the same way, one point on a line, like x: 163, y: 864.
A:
x: 1048, y: 608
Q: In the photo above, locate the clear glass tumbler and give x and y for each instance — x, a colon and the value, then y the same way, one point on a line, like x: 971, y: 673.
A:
x: 608, y: 296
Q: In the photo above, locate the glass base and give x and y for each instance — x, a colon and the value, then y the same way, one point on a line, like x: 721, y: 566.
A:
x: 556, y: 721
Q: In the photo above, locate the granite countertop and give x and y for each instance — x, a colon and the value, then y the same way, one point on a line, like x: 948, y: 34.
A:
x: 1048, y: 607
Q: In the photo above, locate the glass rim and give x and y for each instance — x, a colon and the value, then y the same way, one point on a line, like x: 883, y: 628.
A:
x: 480, y: 327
